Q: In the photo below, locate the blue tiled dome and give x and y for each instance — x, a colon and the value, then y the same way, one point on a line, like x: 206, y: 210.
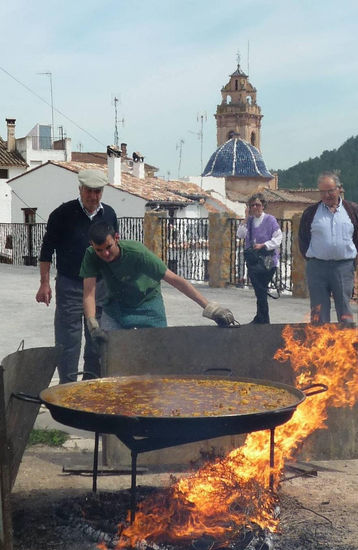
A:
x: 237, y: 158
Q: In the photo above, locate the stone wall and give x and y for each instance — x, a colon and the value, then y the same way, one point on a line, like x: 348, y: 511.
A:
x: 220, y: 249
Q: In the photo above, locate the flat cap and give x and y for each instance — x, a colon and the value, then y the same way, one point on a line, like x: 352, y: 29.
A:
x: 92, y: 178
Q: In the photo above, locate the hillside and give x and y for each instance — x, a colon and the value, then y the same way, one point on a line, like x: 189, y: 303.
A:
x: 344, y: 159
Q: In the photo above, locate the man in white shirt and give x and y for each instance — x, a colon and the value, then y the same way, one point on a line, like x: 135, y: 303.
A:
x: 328, y: 239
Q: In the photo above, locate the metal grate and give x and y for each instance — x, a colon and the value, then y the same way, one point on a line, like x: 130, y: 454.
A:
x: 131, y: 228
x: 185, y: 247
x: 20, y: 243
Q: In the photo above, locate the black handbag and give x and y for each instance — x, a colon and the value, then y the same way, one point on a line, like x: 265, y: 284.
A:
x: 259, y: 260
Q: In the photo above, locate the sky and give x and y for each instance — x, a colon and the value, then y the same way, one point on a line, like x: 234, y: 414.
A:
x: 166, y: 62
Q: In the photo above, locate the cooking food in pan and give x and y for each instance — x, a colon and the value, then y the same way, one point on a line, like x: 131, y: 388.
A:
x: 171, y: 396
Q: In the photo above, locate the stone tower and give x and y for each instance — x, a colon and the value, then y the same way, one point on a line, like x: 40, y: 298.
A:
x: 238, y: 112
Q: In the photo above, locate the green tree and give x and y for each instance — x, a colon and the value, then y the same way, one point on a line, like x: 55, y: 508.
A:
x: 344, y: 160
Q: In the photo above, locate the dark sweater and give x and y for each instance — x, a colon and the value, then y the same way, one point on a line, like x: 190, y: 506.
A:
x: 67, y: 235
x: 304, y: 232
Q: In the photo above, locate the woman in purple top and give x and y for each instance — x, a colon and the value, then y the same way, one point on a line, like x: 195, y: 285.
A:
x: 260, y: 230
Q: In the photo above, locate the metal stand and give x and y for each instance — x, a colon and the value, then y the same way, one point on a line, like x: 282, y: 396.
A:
x: 134, y: 455
x: 272, y: 455
x: 143, y: 445
x: 95, y: 462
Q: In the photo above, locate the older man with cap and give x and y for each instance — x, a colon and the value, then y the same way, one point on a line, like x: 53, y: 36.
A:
x: 67, y: 235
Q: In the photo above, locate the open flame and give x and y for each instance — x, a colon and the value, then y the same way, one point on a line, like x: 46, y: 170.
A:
x: 232, y: 493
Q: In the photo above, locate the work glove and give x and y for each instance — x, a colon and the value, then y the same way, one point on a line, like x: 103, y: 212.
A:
x: 221, y: 315
x: 98, y: 335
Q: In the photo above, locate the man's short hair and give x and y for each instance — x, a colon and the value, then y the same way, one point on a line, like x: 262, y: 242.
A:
x: 99, y: 232
x: 333, y: 176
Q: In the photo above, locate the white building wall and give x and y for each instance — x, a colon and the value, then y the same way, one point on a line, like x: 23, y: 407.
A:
x: 208, y: 183
x: 48, y: 186
x: 192, y: 211
x: 125, y: 204
x: 216, y: 187
x: 44, y: 188
x: 35, y: 157
x: 15, y: 171
x: 5, y: 202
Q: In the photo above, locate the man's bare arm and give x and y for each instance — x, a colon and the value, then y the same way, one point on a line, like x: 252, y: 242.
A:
x: 185, y: 287
x: 89, y: 297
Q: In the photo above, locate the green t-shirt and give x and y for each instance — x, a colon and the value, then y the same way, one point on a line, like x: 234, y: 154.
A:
x: 132, y: 278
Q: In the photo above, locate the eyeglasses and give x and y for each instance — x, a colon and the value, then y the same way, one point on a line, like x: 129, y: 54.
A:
x: 328, y: 191
x: 255, y: 204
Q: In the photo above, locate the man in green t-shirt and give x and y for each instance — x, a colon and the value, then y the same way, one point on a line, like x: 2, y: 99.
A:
x: 132, y: 274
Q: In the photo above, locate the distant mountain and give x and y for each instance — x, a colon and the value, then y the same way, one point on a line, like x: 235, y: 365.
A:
x: 344, y: 159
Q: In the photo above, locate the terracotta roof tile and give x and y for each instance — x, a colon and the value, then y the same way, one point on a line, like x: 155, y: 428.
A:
x: 156, y: 189
x: 101, y: 158
x: 284, y: 195
x: 10, y: 159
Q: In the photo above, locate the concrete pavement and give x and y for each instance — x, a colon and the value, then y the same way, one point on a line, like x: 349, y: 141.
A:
x: 22, y: 318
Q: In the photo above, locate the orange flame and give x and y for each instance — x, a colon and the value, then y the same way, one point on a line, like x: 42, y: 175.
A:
x: 232, y: 493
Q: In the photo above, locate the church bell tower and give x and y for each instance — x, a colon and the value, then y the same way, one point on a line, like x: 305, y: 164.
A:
x: 238, y: 112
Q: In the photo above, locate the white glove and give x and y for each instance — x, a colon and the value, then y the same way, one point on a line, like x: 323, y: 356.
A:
x: 222, y: 316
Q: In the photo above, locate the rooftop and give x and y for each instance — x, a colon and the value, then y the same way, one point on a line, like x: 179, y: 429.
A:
x: 152, y: 189
x: 12, y: 158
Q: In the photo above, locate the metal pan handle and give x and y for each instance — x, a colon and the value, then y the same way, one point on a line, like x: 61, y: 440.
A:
x: 26, y: 397
x: 219, y: 370
x: 322, y: 389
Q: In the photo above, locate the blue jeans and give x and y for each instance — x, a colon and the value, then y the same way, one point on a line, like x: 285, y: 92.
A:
x: 69, y: 324
x: 326, y: 277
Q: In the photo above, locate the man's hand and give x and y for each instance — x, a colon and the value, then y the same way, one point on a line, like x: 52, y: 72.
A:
x: 222, y: 316
x: 98, y: 335
x: 44, y: 294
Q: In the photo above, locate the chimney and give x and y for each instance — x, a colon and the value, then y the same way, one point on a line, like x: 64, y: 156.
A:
x: 114, y: 165
x: 124, y: 150
x: 138, y: 166
x: 11, y: 144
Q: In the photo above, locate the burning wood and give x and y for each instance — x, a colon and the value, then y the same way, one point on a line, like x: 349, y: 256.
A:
x: 232, y: 492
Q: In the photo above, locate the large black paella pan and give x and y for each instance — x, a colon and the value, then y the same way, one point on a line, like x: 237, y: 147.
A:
x: 166, y: 407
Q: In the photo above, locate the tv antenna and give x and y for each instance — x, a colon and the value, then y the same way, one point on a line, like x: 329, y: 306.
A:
x: 180, y: 147
x: 201, y: 118
x: 117, y: 122
x: 49, y: 74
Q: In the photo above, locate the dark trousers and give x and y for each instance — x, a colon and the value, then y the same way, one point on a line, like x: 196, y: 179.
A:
x: 260, y: 282
x: 69, y: 325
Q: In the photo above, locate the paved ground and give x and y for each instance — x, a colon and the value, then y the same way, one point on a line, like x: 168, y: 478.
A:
x: 22, y: 318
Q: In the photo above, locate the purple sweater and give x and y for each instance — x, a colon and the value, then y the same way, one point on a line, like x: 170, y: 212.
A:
x: 262, y: 233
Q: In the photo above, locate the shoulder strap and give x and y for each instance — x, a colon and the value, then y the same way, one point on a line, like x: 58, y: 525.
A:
x: 249, y: 229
